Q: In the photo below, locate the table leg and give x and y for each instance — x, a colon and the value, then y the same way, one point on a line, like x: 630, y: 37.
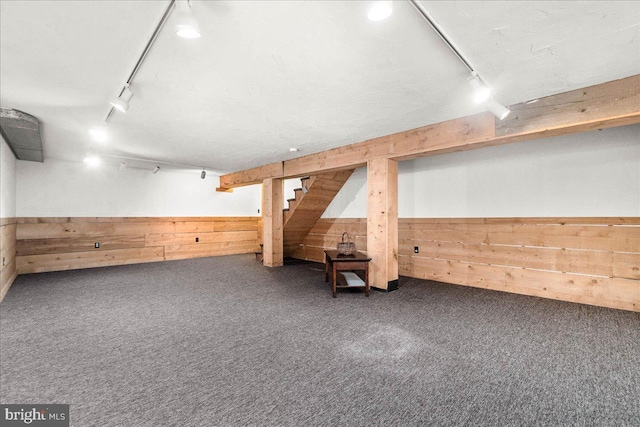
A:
x: 366, y: 280
x: 334, y: 280
x: 326, y: 269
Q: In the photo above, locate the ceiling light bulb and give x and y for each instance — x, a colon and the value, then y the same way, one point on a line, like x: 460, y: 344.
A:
x: 99, y: 134
x: 188, y: 32
x: 293, y: 150
x: 380, y: 10
x: 498, y: 110
x: 480, y: 92
x: 122, y: 103
x: 187, y: 26
x: 92, y: 161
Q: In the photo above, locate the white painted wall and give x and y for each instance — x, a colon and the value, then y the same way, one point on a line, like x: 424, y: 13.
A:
x: 586, y: 174
x: 61, y: 188
x: 7, y: 181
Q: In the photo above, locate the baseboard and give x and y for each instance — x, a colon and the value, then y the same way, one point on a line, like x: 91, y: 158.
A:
x: 391, y: 286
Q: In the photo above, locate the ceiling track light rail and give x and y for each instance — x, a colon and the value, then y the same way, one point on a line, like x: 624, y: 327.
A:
x: 481, y: 91
x: 144, y: 54
x: 434, y: 25
x: 160, y: 162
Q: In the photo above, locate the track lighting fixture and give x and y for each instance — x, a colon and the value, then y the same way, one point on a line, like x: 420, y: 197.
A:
x: 99, y: 134
x: 498, y: 110
x: 187, y: 26
x: 380, y: 10
x: 122, y: 102
x: 203, y: 174
x: 480, y: 92
x: 156, y: 169
x: 123, y: 166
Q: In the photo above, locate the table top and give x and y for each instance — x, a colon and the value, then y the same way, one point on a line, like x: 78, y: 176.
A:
x: 333, y: 255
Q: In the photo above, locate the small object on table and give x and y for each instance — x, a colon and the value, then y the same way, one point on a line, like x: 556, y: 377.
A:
x: 335, y: 262
x: 347, y: 248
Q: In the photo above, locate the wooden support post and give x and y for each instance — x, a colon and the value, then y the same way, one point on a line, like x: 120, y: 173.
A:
x: 382, y: 223
x: 272, y: 205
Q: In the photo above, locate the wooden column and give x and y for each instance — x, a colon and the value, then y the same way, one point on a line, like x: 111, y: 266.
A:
x: 382, y: 223
x: 272, y: 205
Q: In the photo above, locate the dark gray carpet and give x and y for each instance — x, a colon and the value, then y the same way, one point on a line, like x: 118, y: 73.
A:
x: 226, y: 342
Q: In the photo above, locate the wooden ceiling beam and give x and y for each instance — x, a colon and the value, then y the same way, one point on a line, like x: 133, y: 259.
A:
x: 251, y: 176
x: 611, y: 104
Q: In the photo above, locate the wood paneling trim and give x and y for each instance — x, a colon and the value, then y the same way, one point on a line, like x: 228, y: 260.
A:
x: 75, y: 260
x: 601, y: 291
x: 203, y: 238
x: 62, y: 220
x: 587, y: 260
x: 8, y: 270
x: 596, y: 263
x: 52, y: 244
x: 78, y: 244
x: 524, y: 220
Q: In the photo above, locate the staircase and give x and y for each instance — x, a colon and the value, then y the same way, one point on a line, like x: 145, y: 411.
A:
x: 307, y: 207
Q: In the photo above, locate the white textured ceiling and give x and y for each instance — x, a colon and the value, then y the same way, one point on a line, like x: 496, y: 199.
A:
x: 269, y: 75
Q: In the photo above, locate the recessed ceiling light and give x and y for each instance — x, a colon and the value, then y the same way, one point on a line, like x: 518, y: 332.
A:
x: 380, y: 10
x: 99, y: 134
x: 293, y: 150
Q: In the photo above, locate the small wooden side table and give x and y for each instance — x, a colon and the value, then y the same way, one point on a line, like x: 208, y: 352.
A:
x: 335, y: 262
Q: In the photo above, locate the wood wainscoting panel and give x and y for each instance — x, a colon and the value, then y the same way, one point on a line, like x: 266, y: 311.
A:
x: 8, y: 254
x: 56, y: 244
x: 327, y: 233
x: 594, y: 260
x: 585, y: 260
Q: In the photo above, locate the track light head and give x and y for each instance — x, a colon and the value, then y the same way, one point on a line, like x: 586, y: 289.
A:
x: 203, y: 174
x: 187, y: 26
x: 99, y: 134
x: 498, y: 110
x: 122, y: 102
x: 480, y: 92
x: 123, y: 166
x: 156, y: 169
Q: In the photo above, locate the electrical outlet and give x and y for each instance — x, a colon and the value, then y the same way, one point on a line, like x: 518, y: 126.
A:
x: 258, y: 210
x: 416, y: 250
x: 197, y: 239
x: 96, y: 245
